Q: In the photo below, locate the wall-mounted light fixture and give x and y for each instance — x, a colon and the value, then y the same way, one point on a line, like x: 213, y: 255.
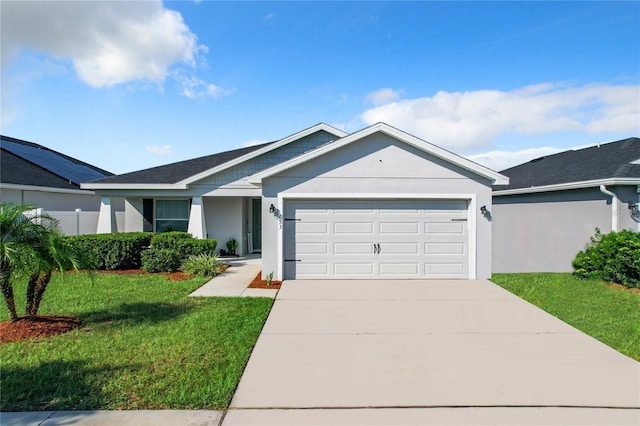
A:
x: 483, y: 209
x: 272, y: 208
x: 634, y: 210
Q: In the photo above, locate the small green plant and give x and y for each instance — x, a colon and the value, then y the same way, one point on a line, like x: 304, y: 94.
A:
x: 613, y: 257
x: 232, y: 245
x: 269, y: 278
x: 203, y: 265
x: 160, y: 260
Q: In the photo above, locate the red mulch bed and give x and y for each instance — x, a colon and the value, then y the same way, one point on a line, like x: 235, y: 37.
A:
x: 40, y: 326
x: 258, y: 282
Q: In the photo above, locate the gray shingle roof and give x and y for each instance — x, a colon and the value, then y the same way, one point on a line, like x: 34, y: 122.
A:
x: 27, y: 163
x: 175, y: 172
x: 604, y: 161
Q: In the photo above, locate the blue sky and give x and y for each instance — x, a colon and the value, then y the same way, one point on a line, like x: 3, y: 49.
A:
x: 131, y: 85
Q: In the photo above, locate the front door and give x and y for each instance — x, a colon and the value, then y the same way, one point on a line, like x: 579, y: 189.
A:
x: 256, y: 224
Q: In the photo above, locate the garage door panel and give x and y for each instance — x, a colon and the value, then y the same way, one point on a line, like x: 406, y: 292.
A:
x: 444, y: 248
x: 409, y: 248
x: 318, y: 269
x: 312, y: 248
x: 399, y: 228
x: 352, y: 248
x: 353, y: 228
x: 377, y: 239
x: 312, y: 228
x: 453, y: 228
x: 444, y: 269
x: 352, y: 269
x: 399, y: 269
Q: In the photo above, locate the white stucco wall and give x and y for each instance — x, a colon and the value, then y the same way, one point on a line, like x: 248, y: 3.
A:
x: 377, y: 164
x: 133, y: 219
x: 224, y: 218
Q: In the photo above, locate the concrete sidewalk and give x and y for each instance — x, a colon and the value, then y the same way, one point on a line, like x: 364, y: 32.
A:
x: 113, y: 418
x: 234, y: 281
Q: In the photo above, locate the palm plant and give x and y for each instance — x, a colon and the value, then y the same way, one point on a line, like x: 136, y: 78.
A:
x: 32, y: 246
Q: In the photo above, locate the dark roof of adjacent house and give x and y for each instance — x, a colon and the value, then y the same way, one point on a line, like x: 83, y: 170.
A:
x: 617, y: 159
x: 176, y: 172
x: 27, y: 163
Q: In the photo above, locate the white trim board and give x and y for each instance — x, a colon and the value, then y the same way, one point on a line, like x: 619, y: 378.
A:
x: 471, y: 217
x: 45, y: 189
x: 127, y: 186
x: 568, y: 186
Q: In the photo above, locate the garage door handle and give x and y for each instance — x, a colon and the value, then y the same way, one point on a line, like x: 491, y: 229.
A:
x: 375, y: 249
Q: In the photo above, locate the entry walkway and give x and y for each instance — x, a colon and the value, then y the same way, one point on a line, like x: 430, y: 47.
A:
x: 413, y: 352
x: 234, y: 281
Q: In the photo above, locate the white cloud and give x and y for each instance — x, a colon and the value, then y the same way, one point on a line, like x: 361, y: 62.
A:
x: 468, y: 121
x: 383, y: 96
x: 158, y: 150
x: 194, y: 87
x: 108, y: 42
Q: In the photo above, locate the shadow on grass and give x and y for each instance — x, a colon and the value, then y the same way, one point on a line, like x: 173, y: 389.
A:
x: 55, y: 385
x: 138, y: 313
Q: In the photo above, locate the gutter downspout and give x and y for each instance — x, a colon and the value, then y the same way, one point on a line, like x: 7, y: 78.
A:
x: 614, y: 207
x: 638, y: 192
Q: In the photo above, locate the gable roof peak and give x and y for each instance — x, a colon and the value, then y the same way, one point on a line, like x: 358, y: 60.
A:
x: 400, y: 135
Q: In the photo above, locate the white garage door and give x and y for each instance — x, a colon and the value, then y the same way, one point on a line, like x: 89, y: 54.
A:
x: 376, y: 239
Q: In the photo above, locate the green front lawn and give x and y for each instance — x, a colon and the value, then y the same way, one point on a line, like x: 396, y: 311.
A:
x: 608, y: 314
x: 143, y: 344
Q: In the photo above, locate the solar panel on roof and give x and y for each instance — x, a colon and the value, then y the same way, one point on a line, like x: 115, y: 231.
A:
x: 76, y: 173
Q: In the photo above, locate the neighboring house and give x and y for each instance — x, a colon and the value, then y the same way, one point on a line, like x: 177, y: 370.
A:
x: 553, y: 205
x: 36, y: 175
x: 377, y: 203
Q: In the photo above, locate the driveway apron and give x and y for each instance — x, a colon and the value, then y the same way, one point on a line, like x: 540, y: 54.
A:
x: 430, y: 347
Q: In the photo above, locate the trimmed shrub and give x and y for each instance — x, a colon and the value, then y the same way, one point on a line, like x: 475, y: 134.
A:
x: 160, y: 260
x: 168, y: 239
x: 202, y: 265
x: 613, y: 257
x: 183, y: 243
x: 110, y: 251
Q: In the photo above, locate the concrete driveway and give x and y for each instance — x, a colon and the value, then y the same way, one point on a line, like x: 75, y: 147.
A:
x: 416, y: 352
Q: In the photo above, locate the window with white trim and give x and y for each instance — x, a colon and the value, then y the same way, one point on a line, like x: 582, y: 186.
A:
x: 172, y: 215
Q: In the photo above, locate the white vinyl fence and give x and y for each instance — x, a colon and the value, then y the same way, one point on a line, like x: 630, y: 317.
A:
x: 79, y: 223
